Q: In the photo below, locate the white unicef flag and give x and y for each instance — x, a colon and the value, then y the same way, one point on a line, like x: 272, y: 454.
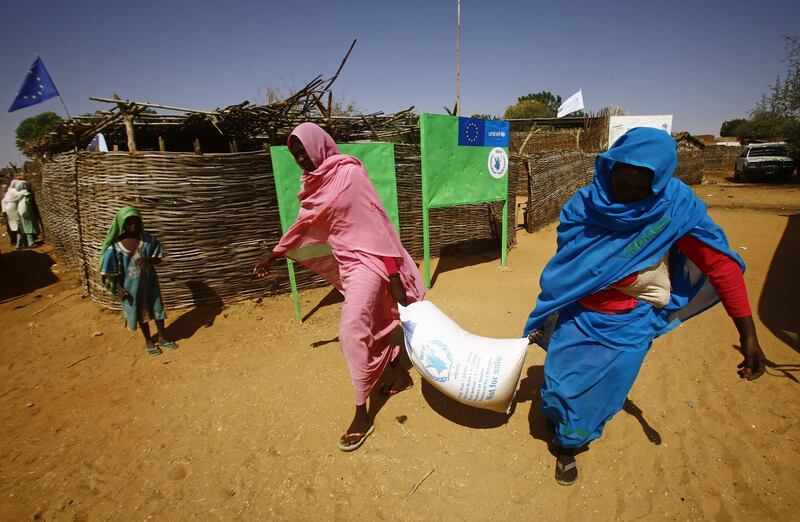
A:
x: 573, y: 103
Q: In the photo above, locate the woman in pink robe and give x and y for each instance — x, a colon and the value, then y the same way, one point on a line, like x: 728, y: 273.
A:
x: 343, y: 233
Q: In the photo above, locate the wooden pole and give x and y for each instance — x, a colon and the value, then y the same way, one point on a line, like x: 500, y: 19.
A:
x: 458, y: 61
x: 69, y: 117
x: 371, y: 129
x: 522, y: 147
x: 346, y: 56
x: 197, y: 149
x: 127, y: 117
x: 155, y: 105
x: 162, y: 146
x: 130, y: 132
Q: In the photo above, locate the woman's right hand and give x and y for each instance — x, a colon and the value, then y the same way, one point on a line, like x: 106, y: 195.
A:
x: 535, y: 337
x: 262, y: 267
x: 122, y: 293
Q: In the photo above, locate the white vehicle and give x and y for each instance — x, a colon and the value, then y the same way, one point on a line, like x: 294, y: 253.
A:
x: 763, y: 160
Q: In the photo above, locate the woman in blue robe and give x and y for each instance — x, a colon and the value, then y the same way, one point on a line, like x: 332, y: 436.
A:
x: 127, y: 269
x: 627, y: 221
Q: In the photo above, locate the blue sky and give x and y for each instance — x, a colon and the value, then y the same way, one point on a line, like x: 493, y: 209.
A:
x: 704, y: 62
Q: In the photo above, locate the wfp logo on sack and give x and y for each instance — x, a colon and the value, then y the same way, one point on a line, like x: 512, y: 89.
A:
x: 482, y: 133
x: 436, y: 360
x: 408, y: 329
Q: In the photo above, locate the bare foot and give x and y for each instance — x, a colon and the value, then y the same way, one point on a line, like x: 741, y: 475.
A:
x: 402, y: 382
x: 360, y: 425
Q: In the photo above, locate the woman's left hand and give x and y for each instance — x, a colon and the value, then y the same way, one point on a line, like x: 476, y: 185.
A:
x: 752, y: 367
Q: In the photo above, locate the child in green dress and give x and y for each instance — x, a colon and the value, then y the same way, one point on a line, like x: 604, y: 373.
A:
x: 127, y: 269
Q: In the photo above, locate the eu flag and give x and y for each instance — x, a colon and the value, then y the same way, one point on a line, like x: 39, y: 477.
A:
x: 36, y: 88
x: 470, y: 132
x: 482, y: 133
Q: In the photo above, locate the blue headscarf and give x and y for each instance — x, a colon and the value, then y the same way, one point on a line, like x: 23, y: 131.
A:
x: 601, y: 241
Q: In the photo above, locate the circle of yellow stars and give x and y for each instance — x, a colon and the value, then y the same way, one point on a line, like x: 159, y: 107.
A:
x: 39, y: 92
x: 471, y: 132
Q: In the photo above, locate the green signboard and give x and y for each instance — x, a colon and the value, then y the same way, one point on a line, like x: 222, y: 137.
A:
x: 378, y: 160
x: 464, y: 161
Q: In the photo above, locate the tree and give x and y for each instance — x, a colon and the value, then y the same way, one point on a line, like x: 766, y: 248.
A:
x: 777, y: 115
x: 527, y: 109
x: 551, y: 100
x: 784, y: 98
x: 484, y: 116
x: 542, y: 104
x: 35, y: 127
x: 727, y: 128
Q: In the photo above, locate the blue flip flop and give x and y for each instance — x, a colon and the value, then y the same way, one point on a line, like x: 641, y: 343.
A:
x: 168, y: 345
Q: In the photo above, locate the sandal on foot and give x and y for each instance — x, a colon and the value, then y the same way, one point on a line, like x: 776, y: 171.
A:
x: 362, y: 437
x: 566, y: 469
x: 154, y: 350
x: 388, y: 391
x: 169, y: 345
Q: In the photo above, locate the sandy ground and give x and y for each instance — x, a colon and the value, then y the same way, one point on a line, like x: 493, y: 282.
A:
x: 241, y: 422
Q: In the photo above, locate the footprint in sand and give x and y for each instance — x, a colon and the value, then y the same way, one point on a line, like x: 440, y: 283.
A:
x: 178, y: 472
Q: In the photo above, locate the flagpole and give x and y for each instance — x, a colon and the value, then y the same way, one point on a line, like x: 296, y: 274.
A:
x: 65, y: 106
x: 458, y: 61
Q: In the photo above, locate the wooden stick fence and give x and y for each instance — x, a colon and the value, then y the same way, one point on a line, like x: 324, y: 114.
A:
x: 216, y: 215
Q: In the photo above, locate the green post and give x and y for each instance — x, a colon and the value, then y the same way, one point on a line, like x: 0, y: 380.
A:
x: 426, y: 237
x: 504, y: 238
x: 295, y: 296
x: 426, y: 244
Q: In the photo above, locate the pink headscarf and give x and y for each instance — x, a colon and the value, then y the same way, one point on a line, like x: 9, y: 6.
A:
x: 340, y: 210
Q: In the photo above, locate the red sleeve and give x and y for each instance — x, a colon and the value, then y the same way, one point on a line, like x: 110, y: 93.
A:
x: 391, y: 265
x: 627, y: 281
x: 723, y: 272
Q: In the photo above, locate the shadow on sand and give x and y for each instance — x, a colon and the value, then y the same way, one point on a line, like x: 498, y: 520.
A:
x: 467, y: 253
x: 541, y: 428
x: 23, y: 272
x: 333, y: 297
x: 779, y: 307
x: 208, y: 305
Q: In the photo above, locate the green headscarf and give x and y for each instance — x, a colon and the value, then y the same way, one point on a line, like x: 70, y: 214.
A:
x: 116, y: 230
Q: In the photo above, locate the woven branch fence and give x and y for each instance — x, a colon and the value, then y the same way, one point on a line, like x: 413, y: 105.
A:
x: 58, y: 206
x: 545, y: 141
x: 216, y: 215
x: 553, y: 178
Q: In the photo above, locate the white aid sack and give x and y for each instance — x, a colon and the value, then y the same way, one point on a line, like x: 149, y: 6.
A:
x: 474, y: 370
